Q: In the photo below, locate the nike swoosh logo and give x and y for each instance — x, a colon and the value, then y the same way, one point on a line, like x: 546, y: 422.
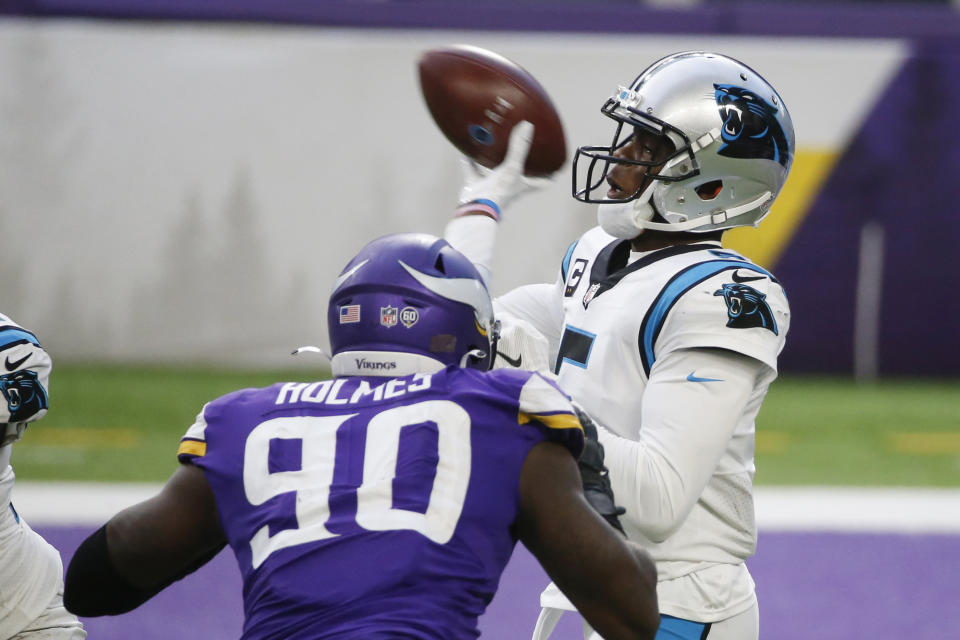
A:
x: 693, y: 378
x: 16, y: 363
x: 513, y: 362
x: 741, y: 279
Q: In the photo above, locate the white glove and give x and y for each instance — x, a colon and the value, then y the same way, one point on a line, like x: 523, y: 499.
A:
x: 490, y: 190
x: 521, y: 346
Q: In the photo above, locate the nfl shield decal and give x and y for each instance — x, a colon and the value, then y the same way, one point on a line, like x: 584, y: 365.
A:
x: 588, y: 296
x: 388, y: 316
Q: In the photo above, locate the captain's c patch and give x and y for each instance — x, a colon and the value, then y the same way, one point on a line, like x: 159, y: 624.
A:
x: 573, y: 281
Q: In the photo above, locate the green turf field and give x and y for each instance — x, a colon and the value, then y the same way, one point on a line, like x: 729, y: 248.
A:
x: 124, y: 424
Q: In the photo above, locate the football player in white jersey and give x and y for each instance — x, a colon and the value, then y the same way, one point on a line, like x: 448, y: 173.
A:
x: 31, y: 573
x: 668, y: 340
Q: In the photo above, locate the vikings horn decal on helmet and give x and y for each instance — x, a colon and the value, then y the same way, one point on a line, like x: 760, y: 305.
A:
x: 410, y: 303
x: 733, y: 145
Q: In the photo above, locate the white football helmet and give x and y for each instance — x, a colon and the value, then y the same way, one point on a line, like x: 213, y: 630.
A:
x: 733, y: 140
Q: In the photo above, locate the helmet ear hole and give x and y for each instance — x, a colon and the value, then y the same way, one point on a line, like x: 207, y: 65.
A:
x: 710, y: 190
x: 438, y: 265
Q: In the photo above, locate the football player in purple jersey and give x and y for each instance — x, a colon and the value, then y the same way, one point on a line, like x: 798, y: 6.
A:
x: 384, y: 502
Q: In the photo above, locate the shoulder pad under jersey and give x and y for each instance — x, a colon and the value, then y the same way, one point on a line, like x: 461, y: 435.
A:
x: 544, y: 403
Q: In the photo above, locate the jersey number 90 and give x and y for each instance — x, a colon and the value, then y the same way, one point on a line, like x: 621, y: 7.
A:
x: 375, y: 510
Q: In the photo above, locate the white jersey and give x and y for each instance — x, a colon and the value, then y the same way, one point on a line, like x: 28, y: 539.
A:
x: 31, y: 572
x: 671, y: 352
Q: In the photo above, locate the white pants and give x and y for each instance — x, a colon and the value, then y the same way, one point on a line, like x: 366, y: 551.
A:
x: 743, y: 626
x: 31, y: 580
x: 55, y: 623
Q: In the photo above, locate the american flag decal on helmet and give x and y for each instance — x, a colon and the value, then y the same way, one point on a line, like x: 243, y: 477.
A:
x: 349, y: 313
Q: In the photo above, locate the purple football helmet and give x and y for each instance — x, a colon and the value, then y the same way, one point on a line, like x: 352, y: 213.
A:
x: 409, y: 303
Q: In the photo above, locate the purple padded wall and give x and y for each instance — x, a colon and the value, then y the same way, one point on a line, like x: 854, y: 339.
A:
x: 905, y: 20
x: 901, y: 172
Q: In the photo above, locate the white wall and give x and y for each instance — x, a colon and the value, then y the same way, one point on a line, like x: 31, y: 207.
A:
x: 190, y: 192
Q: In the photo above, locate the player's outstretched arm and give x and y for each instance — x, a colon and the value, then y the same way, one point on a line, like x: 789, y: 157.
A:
x: 145, y: 548
x: 613, y: 585
x: 485, y: 194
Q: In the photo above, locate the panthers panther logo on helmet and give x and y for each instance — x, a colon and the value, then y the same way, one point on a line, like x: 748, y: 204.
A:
x: 750, y: 126
x: 24, y: 394
x: 746, y: 307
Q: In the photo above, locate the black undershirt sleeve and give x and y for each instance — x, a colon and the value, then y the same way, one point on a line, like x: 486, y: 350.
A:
x: 92, y: 587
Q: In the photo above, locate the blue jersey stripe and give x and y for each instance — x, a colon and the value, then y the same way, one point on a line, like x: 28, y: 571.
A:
x: 679, y: 285
x: 672, y: 628
x: 565, y: 265
x: 11, y: 335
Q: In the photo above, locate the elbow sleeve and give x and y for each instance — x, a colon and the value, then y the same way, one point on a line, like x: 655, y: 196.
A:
x: 92, y: 587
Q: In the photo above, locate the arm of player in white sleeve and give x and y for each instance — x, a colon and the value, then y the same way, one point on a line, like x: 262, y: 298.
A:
x: 473, y: 230
x: 475, y: 236
x: 521, y: 344
x: 686, y: 423
x: 541, y: 305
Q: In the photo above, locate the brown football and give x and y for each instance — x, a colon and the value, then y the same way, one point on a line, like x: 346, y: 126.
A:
x: 476, y: 97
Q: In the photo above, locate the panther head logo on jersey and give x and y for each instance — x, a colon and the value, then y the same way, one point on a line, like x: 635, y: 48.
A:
x: 24, y: 394
x: 746, y: 307
x: 750, y: 126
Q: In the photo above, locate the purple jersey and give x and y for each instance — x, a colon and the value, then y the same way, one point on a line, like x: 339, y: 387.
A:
x: 374, y: 507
